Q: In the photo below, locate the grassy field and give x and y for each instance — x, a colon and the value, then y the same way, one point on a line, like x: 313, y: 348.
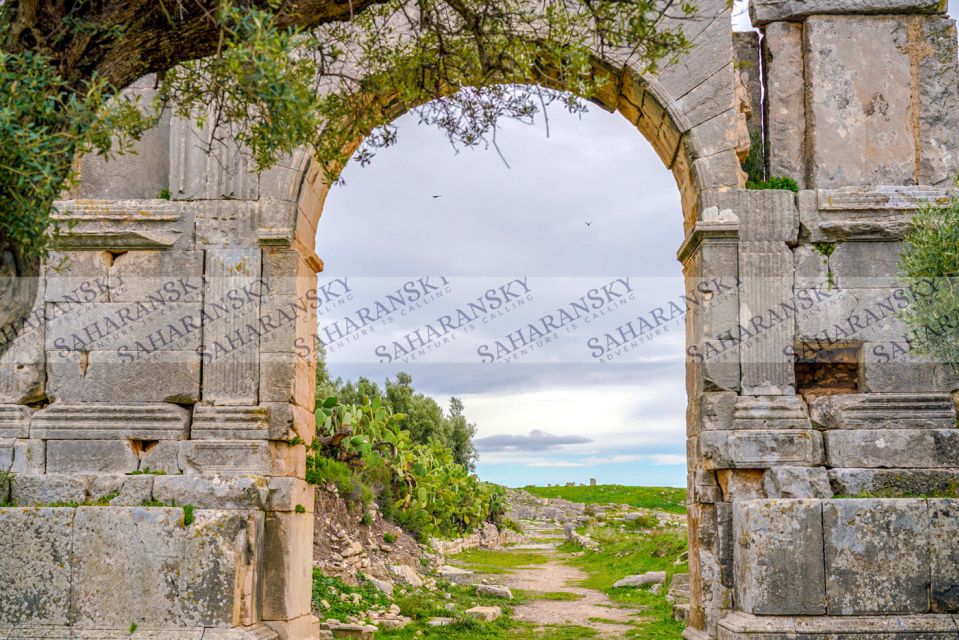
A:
x: 666, y: 499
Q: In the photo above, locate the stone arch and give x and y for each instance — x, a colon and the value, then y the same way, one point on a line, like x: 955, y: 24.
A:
x: 771, y: 433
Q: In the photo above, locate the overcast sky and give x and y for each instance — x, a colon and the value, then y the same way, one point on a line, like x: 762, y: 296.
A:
x: 586, y: 217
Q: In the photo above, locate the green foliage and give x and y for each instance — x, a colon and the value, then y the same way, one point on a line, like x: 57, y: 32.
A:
x: 257, y: 88
x: 188, y: 515
x: 825, y: 249
x: 329, y: 589
x: 147, y: 471
x: 667, y: 499
x: 102, y: 501
x: 755, y: 163
x: 389, y: 537
x: 277, y: 81
x: 45, y: 122
x: 774, y: 182
x: 299, y: 509
x: 420, y: 486
x: 133, y: 628
x: 929, y: 265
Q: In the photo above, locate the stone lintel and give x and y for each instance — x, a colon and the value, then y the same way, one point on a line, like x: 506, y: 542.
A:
x: 763, y: 12
x: 864, y: 213
x: 884, y: 411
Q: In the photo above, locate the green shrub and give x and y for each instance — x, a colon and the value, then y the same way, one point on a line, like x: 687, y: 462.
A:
x: 389, y: 537
x: 328, y: 589
x: 352, y: 489
x: 774, y: 182
x: 930, y: 267
x: 422, y: 487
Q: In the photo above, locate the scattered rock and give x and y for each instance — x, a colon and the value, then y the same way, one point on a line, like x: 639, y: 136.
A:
x: 440, y: 622
x: 487, y: 614
x: 494, y: 591
x: 407, y: 575
x: 651, y: 577
x: 455, y: 574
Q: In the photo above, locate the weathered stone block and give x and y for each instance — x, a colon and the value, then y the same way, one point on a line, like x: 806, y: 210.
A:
x: 770, y: 412
x: 130, y: 491
x: 242, y: 457
x: 77, y: 277
x: 35, y: 564
x: 212, y: 493
x: 776, y: 542
x: 285, y: 494
x: 144, y: 276
x: 65, y: 421
x: 286, y: 377
x: 743, y: 626
x: 149, y: 565
x: 23, y: 456
x: 944, y: 554
x: 885, y: 448
x: 877, y: 556
x: 883, y: 411
x: 785, y: 94
x: 145, y: 327
x: 797, y: 482
x: 14, y: 421
x: 39, y: 490
x: 865, y: 265
x: 230, y: 423
x: 115, y: 375
x: 766, y: 11
x: 876, y: 213
x: 288, y: 561
x: 893, y: 482
x: 938, y: 102
x: 161, y: 457
x: 713, y: 410
x: 855, y: 71
x: 119, y: 225
x: 760, y: 449
x: 91, y: 456
x: 766, y: 271
x: 231, y: 336
x: 812, y: 268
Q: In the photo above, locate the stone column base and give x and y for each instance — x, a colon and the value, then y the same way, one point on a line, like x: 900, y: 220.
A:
x: 740, y: 626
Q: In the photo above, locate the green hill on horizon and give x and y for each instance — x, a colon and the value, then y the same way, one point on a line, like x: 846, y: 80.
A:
x: 668, y: 499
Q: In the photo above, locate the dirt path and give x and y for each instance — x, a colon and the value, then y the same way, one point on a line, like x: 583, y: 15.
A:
x: 592, y: 609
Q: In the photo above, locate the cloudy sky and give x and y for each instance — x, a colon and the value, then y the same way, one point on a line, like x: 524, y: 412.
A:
x: 512, y: 287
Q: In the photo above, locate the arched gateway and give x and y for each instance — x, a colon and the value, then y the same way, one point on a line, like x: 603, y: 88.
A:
x: 167, y: 342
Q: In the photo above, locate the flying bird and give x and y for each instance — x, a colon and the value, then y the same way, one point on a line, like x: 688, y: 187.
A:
x: 435, y: 197
x: 589, y: 224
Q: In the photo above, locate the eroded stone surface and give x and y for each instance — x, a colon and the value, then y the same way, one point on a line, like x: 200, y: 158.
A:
x: 877, y: 556
x: 775, y: 542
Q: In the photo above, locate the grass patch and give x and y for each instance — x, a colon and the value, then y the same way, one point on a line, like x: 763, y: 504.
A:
x: 497, y: 562
x: 668, y: 499
x: 355, y: 601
